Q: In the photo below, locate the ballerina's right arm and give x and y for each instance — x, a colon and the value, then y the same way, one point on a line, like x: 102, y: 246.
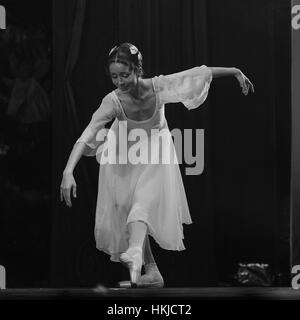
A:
x: 85, y: 145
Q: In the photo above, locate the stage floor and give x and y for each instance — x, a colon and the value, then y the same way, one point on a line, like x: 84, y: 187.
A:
x: 199, y: 293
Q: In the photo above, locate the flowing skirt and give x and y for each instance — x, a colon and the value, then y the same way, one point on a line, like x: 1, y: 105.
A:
x: 149, y: 192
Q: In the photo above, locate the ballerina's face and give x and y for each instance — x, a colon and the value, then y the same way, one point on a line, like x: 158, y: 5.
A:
x: 122, y: 77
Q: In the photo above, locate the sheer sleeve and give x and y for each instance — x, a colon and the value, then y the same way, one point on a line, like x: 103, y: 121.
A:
x: 94, y: 134
x: 189, y: 87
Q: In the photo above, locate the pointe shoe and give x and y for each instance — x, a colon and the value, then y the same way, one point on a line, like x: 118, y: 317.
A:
x: 133, y: 259
x: 152, y: 278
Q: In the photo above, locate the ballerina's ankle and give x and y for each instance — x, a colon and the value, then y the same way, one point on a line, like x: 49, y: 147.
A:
x: 134, y: 248
x: 150, y: 266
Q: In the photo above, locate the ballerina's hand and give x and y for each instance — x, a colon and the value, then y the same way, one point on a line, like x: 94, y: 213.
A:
x: 67, y: 186
x: 245, y: 83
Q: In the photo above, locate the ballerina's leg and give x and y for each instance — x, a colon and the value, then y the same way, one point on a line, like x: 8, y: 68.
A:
x: 152, y: 277
x: 133, y: 257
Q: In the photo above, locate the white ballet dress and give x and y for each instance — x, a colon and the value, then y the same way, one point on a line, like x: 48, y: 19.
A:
x: 141, y: 180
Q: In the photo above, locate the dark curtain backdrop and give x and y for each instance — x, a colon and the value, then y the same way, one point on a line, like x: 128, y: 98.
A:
x: 240, y: 203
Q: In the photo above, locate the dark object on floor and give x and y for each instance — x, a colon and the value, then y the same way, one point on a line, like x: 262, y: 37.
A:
x: 253, y: 274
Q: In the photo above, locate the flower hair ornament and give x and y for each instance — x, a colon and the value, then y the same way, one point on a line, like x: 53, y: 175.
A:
x: 133, y: 50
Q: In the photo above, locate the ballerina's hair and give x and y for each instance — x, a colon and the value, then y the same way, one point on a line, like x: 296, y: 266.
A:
x: 127, y: 54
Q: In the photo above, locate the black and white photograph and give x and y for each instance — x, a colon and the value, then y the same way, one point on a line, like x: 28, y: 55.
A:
x: 149, y: 151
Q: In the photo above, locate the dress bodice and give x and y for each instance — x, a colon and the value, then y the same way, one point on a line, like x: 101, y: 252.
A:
x: 190, y: 87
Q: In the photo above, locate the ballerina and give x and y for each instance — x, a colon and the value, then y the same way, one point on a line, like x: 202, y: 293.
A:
x: 138, y: 200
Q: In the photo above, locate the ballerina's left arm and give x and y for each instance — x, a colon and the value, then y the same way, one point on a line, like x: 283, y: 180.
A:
x: 244, y: 82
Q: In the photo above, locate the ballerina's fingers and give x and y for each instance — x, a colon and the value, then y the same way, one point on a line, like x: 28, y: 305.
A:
x: 249, y: 85
x: 246, y: 85
x: 74, y: 191
x: 65, y: 194
x: 245, y: 88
